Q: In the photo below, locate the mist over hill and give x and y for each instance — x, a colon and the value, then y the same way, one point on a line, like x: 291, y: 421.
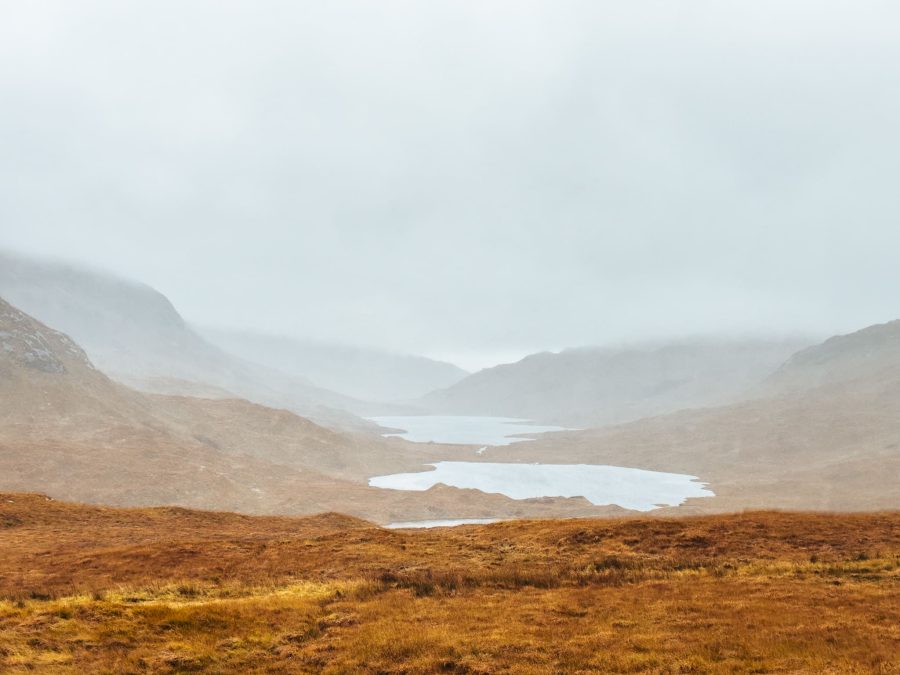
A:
x: 866, y: 353
x: 134, y: 333
x: 592, y: 387
x: 78, y: 433
x: 822, y: 433
x: 367, y: 374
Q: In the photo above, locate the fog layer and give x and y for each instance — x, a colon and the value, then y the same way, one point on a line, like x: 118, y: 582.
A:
x: 464, y: 179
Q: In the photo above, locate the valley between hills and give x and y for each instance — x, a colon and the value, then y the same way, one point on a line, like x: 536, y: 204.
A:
x: 447, y: 336
x: 119, y: 401
x: 168, y: 506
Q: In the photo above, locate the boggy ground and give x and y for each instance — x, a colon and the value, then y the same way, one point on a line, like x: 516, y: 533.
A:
x: 89, y: 589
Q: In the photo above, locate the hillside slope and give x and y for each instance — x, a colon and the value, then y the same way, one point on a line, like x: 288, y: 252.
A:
x: 592, y: 387
x: 71, y: 431
x: 134, y: 334
x: 823, y: 433
x: 864, y: 353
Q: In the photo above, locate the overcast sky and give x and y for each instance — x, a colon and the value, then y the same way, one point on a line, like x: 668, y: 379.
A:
x: 472, y: 180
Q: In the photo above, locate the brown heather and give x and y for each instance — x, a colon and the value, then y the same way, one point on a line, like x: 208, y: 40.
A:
x: 168, y: 590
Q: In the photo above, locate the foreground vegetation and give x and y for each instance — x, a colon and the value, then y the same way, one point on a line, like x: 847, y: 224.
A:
x: 168, y: 590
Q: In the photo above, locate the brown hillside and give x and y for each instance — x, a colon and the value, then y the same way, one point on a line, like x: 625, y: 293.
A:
x: 834, y: 447
x: 73, y: 433
x: 172, y: 590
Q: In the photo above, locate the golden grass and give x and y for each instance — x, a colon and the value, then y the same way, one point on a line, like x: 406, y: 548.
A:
x: 762, y: 592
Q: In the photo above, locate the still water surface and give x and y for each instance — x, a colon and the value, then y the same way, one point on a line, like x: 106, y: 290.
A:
x: 461, y: 429
x: 635, y: 489
x: 600, y: 484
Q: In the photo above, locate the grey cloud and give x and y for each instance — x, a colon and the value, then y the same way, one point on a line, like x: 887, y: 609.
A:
x: 465, y: 178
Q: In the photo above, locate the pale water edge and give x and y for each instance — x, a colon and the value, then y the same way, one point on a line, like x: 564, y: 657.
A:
x: 440, y: 523
x: 462, y: 429
x: 635, y: 489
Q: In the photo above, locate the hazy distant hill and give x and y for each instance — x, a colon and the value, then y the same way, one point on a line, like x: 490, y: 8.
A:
x: 594, y: 386
x: 866, y: 352
x: 365, y: 374
x: 133, y: 333
x: 830, y: 440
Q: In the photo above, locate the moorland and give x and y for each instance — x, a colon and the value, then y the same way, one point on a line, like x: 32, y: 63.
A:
x: 166, y: 590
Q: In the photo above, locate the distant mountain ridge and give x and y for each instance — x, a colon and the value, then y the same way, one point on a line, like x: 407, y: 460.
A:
x: 362, y: 373
x: 600, y: 386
